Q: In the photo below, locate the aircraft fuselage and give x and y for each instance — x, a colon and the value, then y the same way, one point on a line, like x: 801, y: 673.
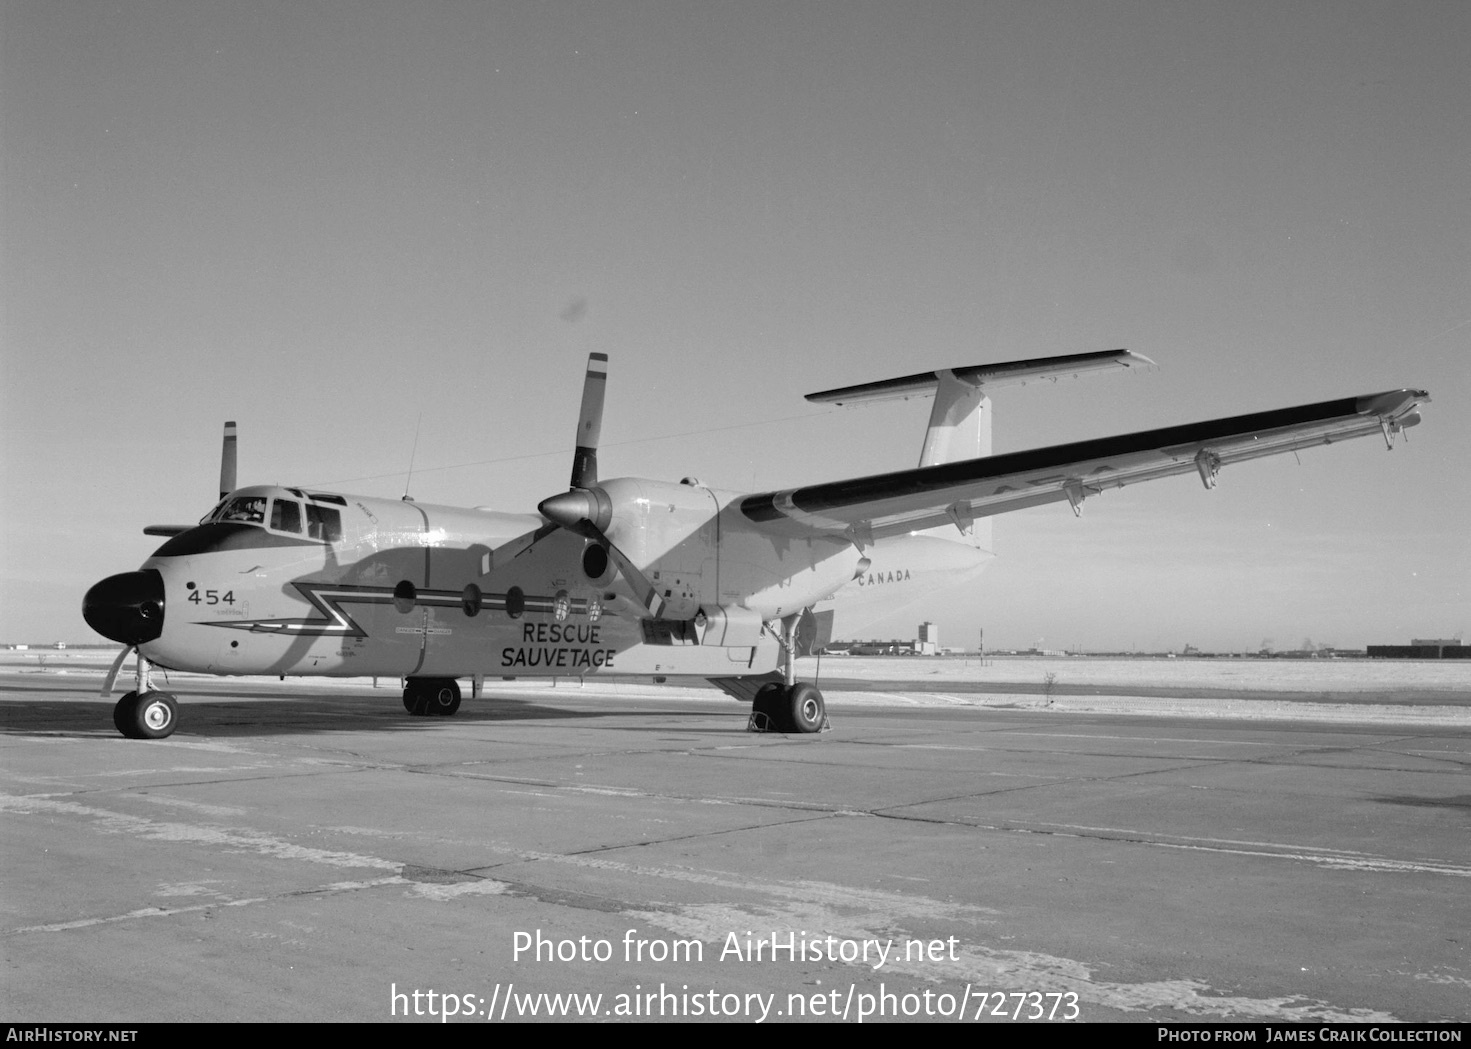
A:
x: 282, y: 581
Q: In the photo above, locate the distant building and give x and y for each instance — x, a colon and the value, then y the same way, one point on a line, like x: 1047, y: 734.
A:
x: 928, y: 641
x: 871, y: 648
x: 1423, y: 648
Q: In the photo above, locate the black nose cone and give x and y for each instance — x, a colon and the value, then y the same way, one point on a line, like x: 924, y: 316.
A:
x: 127, y: 607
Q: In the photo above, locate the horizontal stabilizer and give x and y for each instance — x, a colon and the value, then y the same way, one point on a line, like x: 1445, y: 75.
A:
x: 989, y: 376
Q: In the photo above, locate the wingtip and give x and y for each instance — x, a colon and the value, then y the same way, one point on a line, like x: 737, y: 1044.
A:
x: 1391, y: 403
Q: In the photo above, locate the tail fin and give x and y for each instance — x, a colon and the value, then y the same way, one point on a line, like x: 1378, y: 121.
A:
x: 960, y: 421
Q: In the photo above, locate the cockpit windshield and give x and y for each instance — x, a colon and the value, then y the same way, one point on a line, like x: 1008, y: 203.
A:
x: 281, y: 514
x: 286, y: 516
x: 323, y: 522
x: 246, y: 509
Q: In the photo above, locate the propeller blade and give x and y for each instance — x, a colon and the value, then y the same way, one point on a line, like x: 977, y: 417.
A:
x: 645, y: 591
x: 227, y: 461
x: 117, y: 665
x: 590, y: 422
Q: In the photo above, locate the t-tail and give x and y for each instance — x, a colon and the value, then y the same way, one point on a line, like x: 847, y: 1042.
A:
x: 960, y: 420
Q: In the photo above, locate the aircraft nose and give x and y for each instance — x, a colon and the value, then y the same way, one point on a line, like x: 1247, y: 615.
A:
x: 127, y: 607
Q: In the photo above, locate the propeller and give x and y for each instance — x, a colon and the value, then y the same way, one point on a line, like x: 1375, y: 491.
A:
x: 585, y: 509
x: 227, y: 460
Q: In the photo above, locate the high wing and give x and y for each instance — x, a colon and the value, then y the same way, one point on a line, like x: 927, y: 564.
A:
x: 868, y: 508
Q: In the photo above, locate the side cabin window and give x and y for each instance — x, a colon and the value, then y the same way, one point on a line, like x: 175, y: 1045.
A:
x: 323, y: 522
x: 286, y: 516
x: 248, y: 509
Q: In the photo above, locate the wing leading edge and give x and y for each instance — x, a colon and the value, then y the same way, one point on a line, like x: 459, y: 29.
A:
x: 868, y: 508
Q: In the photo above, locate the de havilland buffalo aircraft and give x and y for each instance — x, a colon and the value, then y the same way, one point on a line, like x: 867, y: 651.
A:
x: 633, y: 576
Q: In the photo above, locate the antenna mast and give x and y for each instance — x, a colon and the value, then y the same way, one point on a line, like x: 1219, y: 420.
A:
x: 412, y: 454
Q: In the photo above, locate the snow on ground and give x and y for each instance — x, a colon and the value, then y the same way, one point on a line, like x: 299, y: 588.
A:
x: 1252, y: 675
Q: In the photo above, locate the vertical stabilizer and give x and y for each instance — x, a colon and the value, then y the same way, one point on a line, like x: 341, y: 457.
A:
x: 960, y: 422
x: 960, y: 428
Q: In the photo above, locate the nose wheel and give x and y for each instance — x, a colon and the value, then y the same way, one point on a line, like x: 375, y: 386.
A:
x: 146, y: 715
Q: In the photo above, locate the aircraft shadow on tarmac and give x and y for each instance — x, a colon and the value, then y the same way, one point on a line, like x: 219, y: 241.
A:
x: 215, y: 716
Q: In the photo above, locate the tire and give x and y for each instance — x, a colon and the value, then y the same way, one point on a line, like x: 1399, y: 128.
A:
x: 804, y: 708
x: 430, y: 696
x: 153, y: 715
x: 122, y: 714
x: 442, y: 697
x: 768, y: 704
x: 416, y: 698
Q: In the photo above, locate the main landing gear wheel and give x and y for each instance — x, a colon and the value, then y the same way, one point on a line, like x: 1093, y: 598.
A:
x: 777, y: 708
x: 443, y: 697
x: 152, y: 715
x: 805, y: 709
x: 425, y: 697
x: 766, y: 708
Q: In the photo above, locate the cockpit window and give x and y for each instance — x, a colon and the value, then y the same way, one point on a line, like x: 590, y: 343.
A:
x: 213, y: 513
x: 286, y: 516
x: 323, y: 522
x: 248, y: 509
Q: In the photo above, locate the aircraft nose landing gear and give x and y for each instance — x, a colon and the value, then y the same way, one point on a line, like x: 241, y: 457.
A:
x: 145, y: 712
x: 146, y: 715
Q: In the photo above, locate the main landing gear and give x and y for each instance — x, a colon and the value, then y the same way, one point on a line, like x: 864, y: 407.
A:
x: 429, y: 696
x: 788, y: 705
x: 780, y: 708
x: 146, y: 715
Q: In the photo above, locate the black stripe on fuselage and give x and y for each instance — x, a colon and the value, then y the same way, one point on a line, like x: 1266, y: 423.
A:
x: 839, y: 494
x: 329, y: 599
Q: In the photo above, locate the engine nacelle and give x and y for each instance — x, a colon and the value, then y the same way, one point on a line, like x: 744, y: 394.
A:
x: 729, y: 625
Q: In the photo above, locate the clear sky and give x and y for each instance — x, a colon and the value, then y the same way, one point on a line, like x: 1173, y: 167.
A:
x: 324, y: 219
